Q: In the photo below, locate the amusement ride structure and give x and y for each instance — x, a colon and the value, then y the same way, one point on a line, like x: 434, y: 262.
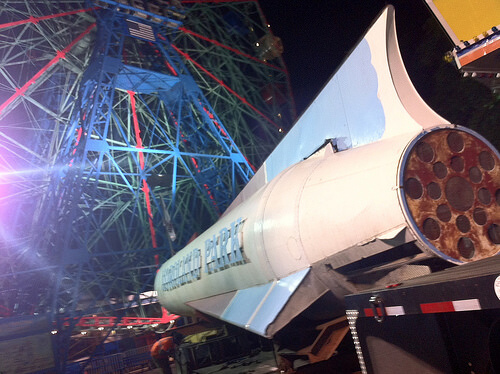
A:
x: 126, y: 128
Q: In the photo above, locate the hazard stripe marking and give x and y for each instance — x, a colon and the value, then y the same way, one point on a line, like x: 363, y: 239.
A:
x: 451, y: 306
x: 442, y: 307
x: 464, y: 305
x: 427, y: 308
x: 395, y: 310
x: 389, y: 311
x: 369, y: 312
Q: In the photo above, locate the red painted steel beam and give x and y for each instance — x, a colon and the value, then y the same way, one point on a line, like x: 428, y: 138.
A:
x: 215, y: 42
x: 38, y: 19
x: 60, y: 55
x: 242, y: 99
x: 145, y: 187
x: 97, y: 321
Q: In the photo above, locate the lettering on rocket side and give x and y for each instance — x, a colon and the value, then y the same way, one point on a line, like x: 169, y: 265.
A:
x: 185, y: 270
x: 222, y: 251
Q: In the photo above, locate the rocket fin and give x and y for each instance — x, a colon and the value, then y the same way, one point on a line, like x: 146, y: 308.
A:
x: 254, y: 308
x: 368, y: 98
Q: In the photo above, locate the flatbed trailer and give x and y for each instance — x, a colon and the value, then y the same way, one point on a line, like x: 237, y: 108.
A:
x: 445, y: 322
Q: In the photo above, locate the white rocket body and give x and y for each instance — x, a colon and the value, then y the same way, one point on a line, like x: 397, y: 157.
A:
x: 315, y: 207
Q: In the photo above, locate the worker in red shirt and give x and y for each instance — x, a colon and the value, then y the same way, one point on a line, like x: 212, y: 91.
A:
x: 162, y: 352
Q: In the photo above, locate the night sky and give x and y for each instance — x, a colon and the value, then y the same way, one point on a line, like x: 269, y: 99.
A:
x: 318, y: 34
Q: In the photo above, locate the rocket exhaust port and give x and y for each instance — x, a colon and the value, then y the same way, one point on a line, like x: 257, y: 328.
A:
x: 451, y: 192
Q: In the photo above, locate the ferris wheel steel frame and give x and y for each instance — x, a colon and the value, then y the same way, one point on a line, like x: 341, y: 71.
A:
x: 254, y: 76
x: 113, y: 157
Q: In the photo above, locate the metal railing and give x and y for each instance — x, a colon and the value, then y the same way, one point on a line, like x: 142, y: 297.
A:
x: 133, y: 360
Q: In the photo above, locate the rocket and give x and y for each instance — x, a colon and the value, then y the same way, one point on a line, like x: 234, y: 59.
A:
x: 369, y: 187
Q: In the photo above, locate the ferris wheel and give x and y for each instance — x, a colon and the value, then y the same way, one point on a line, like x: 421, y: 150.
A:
x: 126, y: 127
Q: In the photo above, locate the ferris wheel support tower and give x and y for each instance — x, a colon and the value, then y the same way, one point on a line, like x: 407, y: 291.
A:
x: 117, y: 123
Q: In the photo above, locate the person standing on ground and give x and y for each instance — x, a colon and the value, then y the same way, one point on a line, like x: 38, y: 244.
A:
x: 162, y: 351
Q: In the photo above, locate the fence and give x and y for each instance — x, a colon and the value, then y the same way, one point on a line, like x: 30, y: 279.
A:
x: 131, y: 361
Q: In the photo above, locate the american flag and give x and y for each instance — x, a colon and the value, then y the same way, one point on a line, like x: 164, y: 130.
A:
x: 140, y: 30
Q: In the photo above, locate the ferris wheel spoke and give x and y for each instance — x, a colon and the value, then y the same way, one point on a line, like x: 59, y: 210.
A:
x: 219, y: 81
x: 60, y: 55
x: 35, y: 20
x: 215, y: 42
